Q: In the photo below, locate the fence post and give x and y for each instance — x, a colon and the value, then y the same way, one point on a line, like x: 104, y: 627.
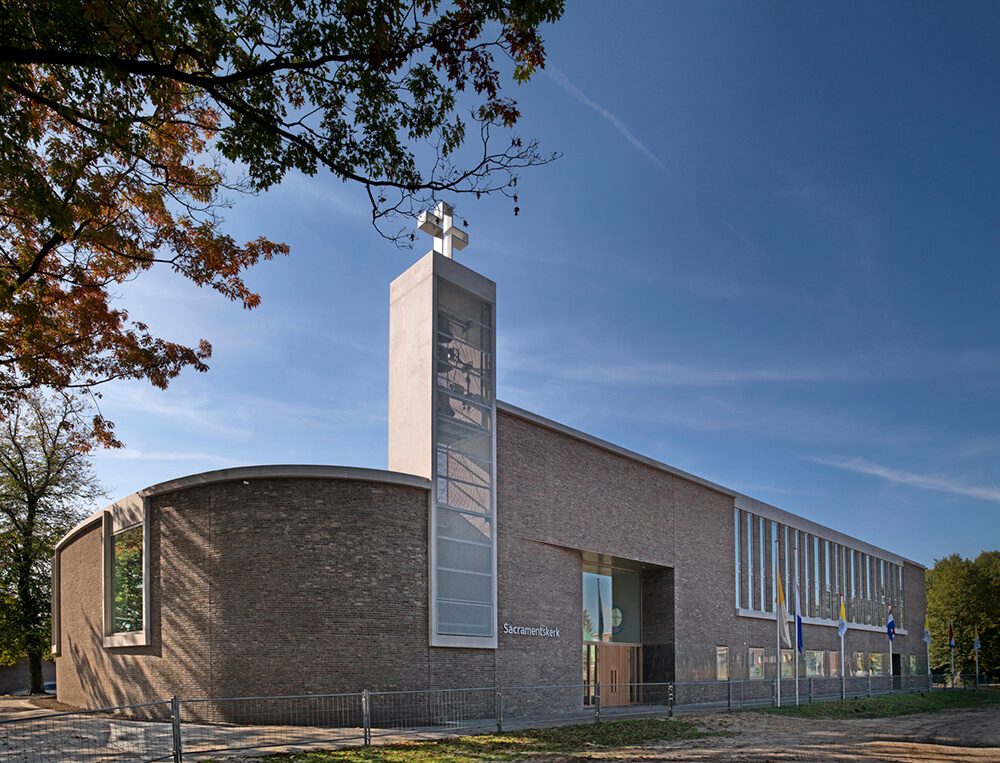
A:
x: 366, y: 716
x: 597, y: 702
x: 670, y: 700
x: 774, y: 694
x: 175, y: 722
x: 729, y: 694
x: 869, y: 682
x: 810, y: 691
x: 499, y: 707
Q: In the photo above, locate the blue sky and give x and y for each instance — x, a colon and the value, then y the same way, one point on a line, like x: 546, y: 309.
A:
x: 767, y: 256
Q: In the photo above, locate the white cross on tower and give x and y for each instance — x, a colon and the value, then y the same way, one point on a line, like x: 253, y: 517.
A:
x: 440, y: 225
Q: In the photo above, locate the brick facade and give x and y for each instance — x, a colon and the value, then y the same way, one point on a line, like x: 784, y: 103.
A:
x: 263, y: 585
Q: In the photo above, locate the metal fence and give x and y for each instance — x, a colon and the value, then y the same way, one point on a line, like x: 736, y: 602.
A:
x: 194, y: 729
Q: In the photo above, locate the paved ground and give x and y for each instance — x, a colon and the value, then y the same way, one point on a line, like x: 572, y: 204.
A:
x: 952, y: 736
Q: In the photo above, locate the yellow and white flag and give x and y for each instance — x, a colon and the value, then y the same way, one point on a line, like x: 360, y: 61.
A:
x: 842, y: 621
x: 783, y: 615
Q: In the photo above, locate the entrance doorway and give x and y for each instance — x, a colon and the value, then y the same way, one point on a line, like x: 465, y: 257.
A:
x: 617, y: 668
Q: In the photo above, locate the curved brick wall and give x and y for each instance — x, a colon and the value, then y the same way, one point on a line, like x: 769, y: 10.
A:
x: 277, y: 586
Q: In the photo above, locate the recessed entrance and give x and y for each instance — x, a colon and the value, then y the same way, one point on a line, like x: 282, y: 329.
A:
x: 612, y: 633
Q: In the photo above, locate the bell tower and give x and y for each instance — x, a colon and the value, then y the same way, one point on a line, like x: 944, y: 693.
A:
x: 442, y: 426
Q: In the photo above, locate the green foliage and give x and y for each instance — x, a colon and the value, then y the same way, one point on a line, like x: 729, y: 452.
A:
x: 45, y: 481
x: 967, y: 591
x: 895, y: 704
x: 117, y: 119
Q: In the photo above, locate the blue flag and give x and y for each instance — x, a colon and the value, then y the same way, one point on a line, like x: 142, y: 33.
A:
x: 798, y: 618
x: 891, y: 625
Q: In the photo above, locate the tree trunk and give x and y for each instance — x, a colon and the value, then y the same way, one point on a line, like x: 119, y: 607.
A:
x: 37, y: 681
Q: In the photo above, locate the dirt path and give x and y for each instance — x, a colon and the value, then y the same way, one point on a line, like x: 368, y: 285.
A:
x: 951, y: 736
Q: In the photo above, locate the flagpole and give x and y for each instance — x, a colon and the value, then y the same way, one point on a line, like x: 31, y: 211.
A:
x: 889, y: 632
x: 798, y: 633
x: 777, y: 627
x: 843, y: 667
x: 951, y: 648
x: 927, y: 641
x: 975, y: 648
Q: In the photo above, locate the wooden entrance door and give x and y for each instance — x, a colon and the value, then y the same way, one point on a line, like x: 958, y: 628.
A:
x: 618, y: 672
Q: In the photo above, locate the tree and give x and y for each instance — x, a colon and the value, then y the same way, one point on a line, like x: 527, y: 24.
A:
x: 45, y: 482
x: 968, y: 592
x: 117, y: 117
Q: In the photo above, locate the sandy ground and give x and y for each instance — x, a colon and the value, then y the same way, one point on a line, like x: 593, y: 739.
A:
x: 949, y: 735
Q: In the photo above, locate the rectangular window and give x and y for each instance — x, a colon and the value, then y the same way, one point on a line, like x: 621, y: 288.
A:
x: 126, y: 580
x: 756, y: 663
x: 902, y: 598
x: 817, y: 582
x: 788, y: 555
x: 775, y: 566
x: 876, y: 664
x: 805, y: 575
x: 750, y: 565
x: 794, y: 589
x: 125, y: 541
x: 858, y: 664
x: 736, y: 553
x: 762, y: 559
x: 787, y: 663
x: 612, y: 605
x: 828, y: 586
x: 814, y: 662
x: 722, y: 663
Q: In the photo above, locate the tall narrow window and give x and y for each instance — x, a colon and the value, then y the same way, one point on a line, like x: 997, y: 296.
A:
x: 736, y: 553
x: 762, y: 559
x: 788, y: 553
x: 126, y: 580
x: 775, y: 566
x: 795, y: 588
x: 750, y: 602
x: 805, y: 595
x: 827, y: 587
x: 817, y: 582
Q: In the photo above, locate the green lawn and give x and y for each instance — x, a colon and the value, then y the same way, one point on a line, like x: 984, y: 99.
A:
x: 894, y: 704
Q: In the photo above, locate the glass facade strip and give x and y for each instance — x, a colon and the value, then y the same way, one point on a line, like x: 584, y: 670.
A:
x: 464, y: 491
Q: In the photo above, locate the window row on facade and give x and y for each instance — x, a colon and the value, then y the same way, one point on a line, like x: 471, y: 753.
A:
x: 822, y: 569
x: 815, y: 663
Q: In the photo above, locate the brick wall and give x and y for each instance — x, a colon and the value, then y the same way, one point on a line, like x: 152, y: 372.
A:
x: 284, y: 586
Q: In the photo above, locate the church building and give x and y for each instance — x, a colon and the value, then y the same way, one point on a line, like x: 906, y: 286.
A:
x: 500, y: 548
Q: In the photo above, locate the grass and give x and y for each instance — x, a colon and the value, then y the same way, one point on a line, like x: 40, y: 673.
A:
x: 894, y: 704
x: 513, y: 745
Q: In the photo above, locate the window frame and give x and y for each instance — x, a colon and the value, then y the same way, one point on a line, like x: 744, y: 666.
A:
x: 127, y: 514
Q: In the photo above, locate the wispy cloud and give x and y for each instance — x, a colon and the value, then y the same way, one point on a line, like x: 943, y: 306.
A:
x: 131, y: 454
x: 923, y: 481
x: 560, y: 79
